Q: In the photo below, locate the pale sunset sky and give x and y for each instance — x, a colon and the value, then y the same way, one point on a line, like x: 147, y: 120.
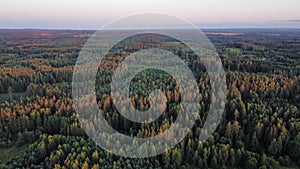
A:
x: 92, y: 14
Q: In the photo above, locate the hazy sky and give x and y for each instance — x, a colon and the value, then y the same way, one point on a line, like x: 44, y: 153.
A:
x: 92, y: 14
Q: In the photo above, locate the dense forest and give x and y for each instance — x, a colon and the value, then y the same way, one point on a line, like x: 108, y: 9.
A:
x: 260, y: 127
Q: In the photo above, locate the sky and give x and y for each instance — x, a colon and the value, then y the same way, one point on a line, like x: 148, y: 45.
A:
x: 93, y: 14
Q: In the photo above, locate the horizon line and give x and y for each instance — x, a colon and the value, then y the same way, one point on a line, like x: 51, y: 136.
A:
x: 92, y: 29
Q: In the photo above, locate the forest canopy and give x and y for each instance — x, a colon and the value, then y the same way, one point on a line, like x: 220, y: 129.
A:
x: 260, y: 127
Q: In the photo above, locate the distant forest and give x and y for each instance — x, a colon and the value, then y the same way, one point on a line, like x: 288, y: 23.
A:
x: 260, y: 127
